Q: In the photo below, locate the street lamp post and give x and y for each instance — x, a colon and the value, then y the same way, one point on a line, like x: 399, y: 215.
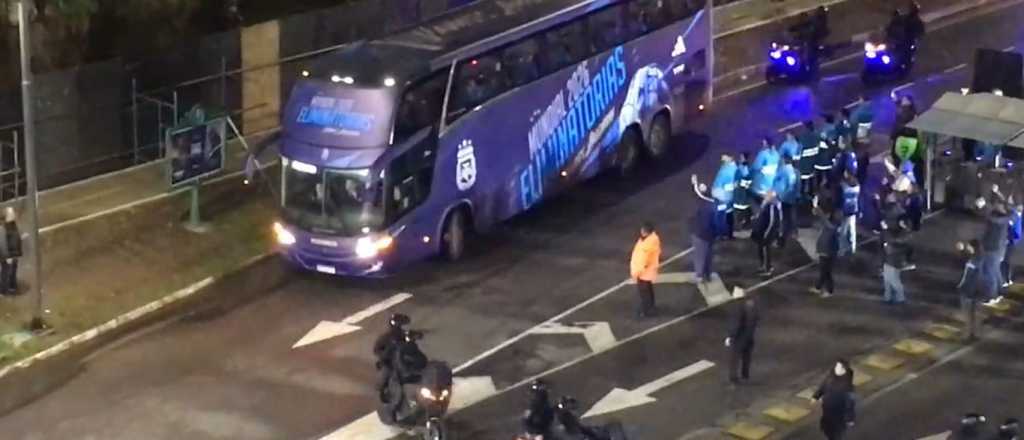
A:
x: 31, y: 189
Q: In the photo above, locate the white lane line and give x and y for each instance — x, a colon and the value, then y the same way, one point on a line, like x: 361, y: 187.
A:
x: 905, y: 86
x: 619, y: 399
x: 955, y: 68
x: 559, y: 316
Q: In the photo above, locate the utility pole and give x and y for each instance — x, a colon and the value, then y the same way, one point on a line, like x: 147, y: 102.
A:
x: 31, y: 189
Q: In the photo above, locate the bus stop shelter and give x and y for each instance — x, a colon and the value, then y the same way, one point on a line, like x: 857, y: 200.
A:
x: 982, y: 117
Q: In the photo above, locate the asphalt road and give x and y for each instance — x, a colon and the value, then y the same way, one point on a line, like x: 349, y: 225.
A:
x: 235, y: 374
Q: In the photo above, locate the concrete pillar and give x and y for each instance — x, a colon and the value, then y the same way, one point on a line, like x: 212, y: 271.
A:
x: 261, y: 87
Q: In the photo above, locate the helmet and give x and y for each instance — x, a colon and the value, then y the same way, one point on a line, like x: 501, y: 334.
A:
x: 1009, y: 430
x: 568, y: 403
x: 538, y: 385
x: 398, y: 320
x: 971, y: 422
x: 413, y: 335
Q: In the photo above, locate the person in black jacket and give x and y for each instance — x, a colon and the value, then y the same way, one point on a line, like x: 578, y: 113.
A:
x: 10, y: 251
x: 837, y: 401
x: 540, y: 414
x: 767, y: 231
x: 827, y: 248
x: 741, y: 340
x: 384, y: 350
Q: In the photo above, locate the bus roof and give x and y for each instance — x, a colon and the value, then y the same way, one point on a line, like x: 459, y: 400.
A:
x: 461, y: 32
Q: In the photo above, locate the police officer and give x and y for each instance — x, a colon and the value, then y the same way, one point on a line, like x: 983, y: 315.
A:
x: 809, y: 141
x: 539, y: 414
x: 826, y: 152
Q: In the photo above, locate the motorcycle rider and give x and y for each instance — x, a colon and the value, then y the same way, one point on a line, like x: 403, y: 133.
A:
x: 539, y: 415
x: 904, y: 31
x: 811, y: 31
x: 571, y: 422
x: 384, y: 349
x: 407, y: 364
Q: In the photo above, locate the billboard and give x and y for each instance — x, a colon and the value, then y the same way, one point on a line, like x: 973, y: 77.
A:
x: 196, y: 151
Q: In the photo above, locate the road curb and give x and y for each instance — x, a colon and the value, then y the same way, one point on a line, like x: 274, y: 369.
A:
x: 36, y: 376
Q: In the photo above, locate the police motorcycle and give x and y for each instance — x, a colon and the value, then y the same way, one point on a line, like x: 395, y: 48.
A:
x: 974, y: 426
x: 796, y: 57
x: 539, y: 417
x: 415, y: 392
x: 892, y: 54
x: 572, y: 428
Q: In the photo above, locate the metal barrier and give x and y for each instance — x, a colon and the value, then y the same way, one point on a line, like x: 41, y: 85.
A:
x: 11, y: 177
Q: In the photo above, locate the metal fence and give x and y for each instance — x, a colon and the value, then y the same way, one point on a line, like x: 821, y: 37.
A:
x: 107, y: 116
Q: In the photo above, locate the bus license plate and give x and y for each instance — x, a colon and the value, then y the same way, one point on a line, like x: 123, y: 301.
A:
x: 325, y: 243
x: 325, y: 269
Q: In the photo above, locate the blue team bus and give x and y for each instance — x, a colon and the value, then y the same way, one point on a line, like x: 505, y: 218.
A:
x: 394, y: 149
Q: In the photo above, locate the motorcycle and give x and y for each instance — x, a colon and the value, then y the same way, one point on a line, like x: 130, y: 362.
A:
x: 422, y: 402
x: 790, y: 61
x: 886, y: 60
x: 574, y: 429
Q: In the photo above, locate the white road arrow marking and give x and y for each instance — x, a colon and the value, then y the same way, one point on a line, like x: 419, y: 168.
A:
x: 939, y: 436
x: 329, y: 329
x: 619, y: 399
x: 714, y: 292
x: 598, y: 334
x: 466, y: 391
x: 808, y: 239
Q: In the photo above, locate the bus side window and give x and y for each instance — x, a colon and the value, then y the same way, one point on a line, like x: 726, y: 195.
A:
x: 683, y: 9
x: 520, y: 61
x: 607, y: 28
x: 563, y: 46
x: 654, y: 13
x: 476, y: 81
x: 420, y: 106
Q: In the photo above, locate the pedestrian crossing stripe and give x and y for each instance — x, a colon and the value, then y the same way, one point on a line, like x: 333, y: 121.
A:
x: 913, y: 347
x: 884, y: 362
x: 787, y: 412
x: 750, y: 431
x: 943, y: 331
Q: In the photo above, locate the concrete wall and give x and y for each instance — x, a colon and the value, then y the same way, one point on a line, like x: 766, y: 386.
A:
x: 261, y: 88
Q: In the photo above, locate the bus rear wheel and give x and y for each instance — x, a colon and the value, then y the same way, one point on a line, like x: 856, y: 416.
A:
x: 628, y: 152
x: 661, y: 133
x: 453, y: 236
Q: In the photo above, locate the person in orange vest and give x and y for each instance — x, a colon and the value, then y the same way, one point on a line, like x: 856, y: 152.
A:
x: 643, y: 267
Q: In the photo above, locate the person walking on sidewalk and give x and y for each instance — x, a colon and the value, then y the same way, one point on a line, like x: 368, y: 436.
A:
x: 10, y: 252
x: 827, y: 248
x: 767, y: 231
x: 838, y: 405
x: 702, y: 232
x: 643, y: 267
x: 741, y: 340
x: 723, y: 190
x: 970, y: 284
x: 895, y: 249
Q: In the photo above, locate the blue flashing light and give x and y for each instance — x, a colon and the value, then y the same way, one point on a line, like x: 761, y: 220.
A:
x: 791, y: 61
x: 871, y: 54
x: 776, y: 54
x: 886, y: 59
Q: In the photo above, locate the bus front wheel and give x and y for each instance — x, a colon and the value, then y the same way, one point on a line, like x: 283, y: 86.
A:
x: 661, y: 133
x: 453, y: 236
x: 629, y: 152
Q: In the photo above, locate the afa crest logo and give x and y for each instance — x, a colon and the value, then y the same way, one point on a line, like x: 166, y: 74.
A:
x: 465, y: 166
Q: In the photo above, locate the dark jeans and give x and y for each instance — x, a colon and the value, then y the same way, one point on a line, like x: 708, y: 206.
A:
x: 833, y: 431
x: 9, y: 276
x: 703, y: 251
x: 789, y: 221
x: 739, y: 361
x: 825, y: 265
x: 1007, y: 264
x: 764, y: 252
x: 742, y: 218
x: 645, y: 289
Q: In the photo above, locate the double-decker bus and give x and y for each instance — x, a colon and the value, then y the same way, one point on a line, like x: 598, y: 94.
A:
x: 394, y: 149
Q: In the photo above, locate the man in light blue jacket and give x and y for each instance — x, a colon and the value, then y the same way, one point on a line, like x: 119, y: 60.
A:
x: 764, y: 169
x: 787, y: 187
x: 722, y: 190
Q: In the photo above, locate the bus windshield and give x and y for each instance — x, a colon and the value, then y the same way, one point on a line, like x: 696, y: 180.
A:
x: 330, y: 201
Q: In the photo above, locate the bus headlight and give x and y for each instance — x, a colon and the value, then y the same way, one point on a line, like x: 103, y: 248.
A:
x: 427, y: 394
x: 369, y: 247
x: 284, y: 236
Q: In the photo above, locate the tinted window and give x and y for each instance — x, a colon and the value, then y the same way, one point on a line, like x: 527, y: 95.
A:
x: 410, y: 176
x: 421, y: 106
x: 520, y: 62
x: 653, y: 14
x: 607, y: 28
x: 476, y: 81
x: 563, y: 46
x: 683, y: 9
